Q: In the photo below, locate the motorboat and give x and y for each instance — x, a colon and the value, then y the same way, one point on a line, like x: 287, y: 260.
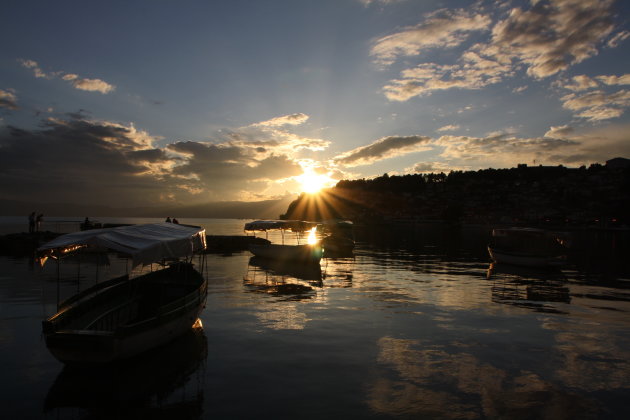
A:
x: 122, y: 317
x: 530, y: 247
x: 309, y: 253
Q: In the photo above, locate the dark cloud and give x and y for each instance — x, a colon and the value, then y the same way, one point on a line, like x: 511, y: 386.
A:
x: 386, y: 147
x: 8, y: 99
x: 82, y: 161
x: 77, y: 161
x: 228, y: 172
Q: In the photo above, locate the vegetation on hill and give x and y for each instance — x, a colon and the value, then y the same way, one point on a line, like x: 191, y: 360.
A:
x: 599, y: 194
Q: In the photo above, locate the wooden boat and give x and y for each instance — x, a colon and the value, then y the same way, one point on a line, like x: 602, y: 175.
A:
x: 526, y: 259
x: 309, y: 253
x: 527, y: 247
x: 123, y: 317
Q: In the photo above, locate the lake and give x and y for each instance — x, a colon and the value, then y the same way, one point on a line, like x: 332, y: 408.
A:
x: 416, y: 324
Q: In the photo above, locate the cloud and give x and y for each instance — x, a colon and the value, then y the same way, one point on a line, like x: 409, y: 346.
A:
x: 78, y: 160
x: 384, y: 148
x: 580, y: 83
x: 367, y: 3
x: 545, y: 39
x: 615, y: 80
x: 292, y: 119
x: 90, y: 85
x: 593, y: 99
x: 475, y: 72
x: 8, y: 99
x: 430, y: 167
x: 597, y: 105
x: 451, y: 127
x: 618, y: 38
x: 274, y: 136
x: 37, y: 71
x: 442, y: 28
x: 501, y: 150
x: 553, y: 35
x: 226, y: 172
x: 560, y: 132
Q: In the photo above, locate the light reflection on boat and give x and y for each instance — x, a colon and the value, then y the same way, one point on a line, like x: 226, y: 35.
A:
x: 142, y: 387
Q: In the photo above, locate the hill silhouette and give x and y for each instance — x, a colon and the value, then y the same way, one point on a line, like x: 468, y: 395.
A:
x: 597, y: 195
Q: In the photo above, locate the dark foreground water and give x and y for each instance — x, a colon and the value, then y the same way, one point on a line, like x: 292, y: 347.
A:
x: 416, y: 324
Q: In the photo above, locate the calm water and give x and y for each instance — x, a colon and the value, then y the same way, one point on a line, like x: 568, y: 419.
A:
x: 414, y: 325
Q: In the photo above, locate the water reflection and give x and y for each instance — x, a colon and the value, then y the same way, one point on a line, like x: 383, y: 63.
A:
x: 440, y: 381
x: 536, y: 289
x: 166, y: 380
x: 287, y: 279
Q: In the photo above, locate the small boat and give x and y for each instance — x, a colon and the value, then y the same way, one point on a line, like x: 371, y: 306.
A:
x: 528, y: 247
x: 309, y: 253
x: 121, y: 318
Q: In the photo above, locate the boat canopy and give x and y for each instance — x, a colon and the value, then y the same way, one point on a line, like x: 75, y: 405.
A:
x: 145, y: 243
x: 293, y: 225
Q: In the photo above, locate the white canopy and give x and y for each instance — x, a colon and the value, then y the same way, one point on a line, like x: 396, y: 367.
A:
x: 294, y: 225
x: 144, y: 243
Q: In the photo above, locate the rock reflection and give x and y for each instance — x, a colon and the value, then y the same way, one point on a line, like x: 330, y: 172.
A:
x: 154, y: 385
x: 426, y: 380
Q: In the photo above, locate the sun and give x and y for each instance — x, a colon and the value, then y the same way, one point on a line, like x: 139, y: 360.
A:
x: 312, y: 182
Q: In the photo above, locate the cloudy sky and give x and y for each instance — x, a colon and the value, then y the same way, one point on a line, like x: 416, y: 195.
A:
x: 146, y: 102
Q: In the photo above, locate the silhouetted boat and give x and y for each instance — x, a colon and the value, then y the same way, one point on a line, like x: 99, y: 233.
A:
x: 527, y: 247
x: 121, y: 318
x: 306, y: 253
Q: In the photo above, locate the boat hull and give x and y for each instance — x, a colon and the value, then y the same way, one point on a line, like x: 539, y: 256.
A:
x: 120, y: 321
x: 526, y: 260
x: 299, y: 253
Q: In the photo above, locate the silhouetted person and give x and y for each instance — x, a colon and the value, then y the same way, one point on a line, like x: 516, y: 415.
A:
x: 168, y: 219
x: 31, y: 222
x: 87, y: 224
x: 38, y: 222
x: 175, y: 220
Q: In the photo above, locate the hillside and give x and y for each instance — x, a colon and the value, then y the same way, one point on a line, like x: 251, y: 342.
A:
x: 528, y: 195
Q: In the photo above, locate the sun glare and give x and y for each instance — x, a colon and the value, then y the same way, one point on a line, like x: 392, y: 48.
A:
x: 312, y: 237
x: 312, y: 182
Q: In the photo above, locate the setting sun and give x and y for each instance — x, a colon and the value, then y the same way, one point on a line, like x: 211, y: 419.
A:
x: 312, y: 182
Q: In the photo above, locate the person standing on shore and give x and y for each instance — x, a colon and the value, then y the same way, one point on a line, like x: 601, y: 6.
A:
x: 31, y: 222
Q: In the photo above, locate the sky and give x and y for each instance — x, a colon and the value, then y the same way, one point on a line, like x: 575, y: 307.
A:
x: 144, y: 102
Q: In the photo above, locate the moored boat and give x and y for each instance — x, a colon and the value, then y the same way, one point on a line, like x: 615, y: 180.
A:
x: 309, y: 253
x: 123, y: 317
x: 528, y: 247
